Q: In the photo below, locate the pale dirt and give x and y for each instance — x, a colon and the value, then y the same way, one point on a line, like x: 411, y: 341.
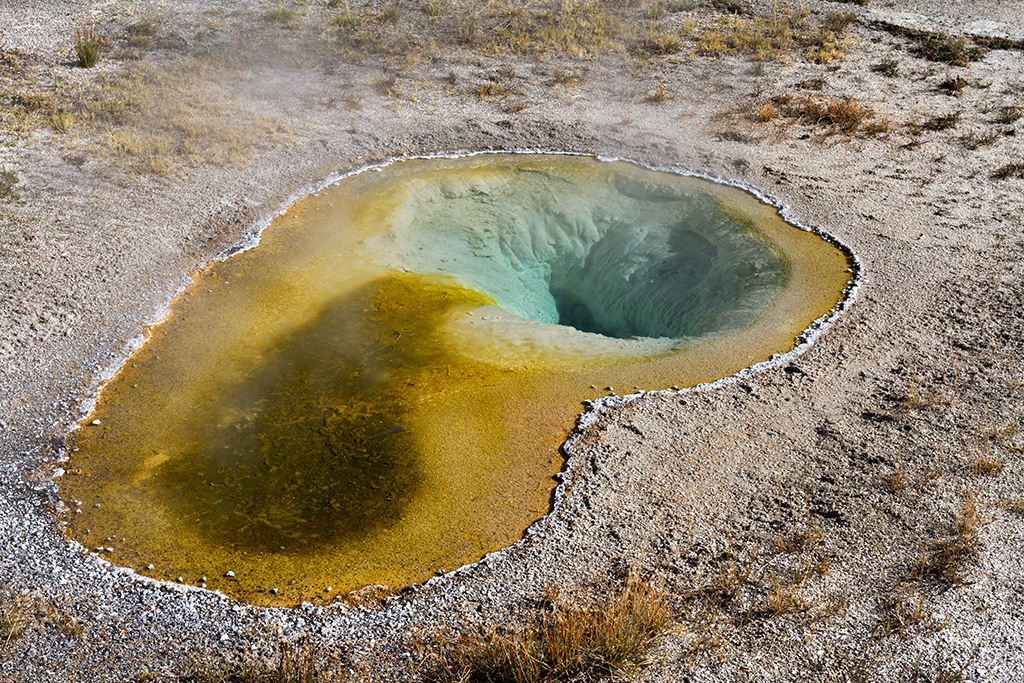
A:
x: 918, y: 374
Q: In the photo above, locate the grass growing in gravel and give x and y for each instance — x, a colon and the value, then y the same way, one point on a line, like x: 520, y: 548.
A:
x: 901, y: 610
x: 156, y: 120
x: 296, y: 662
x: 945, y: 559
x: 8, y: 179
x: 89, y: 44
x: 13, y: 619
x: 778, y: 36
x: 563, y: 641
x: 1006, y: 171
x: 940, y: 47
x: 845, y: 116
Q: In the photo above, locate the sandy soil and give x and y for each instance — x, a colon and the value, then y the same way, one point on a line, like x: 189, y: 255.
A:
x: 825, y: 478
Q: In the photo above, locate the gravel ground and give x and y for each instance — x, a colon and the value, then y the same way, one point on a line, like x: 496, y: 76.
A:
x: 873, y: 435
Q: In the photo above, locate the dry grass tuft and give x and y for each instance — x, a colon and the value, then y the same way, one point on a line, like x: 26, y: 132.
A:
x: 89, y: 44
x: 783, y: 599
x: 8, y: 179
x: 156, y: 120
x: 13, y: 620
x: 845, y: 116
x: 563, y: 641
x: 802, y: 539
x: 946, y: 559
x: 297, y: 662
x: 786, y: 32
x: 898, y: 481
x: 985, y: 465
x: 901, y: 610
x: 1014, y: 170
x: 658, y: 96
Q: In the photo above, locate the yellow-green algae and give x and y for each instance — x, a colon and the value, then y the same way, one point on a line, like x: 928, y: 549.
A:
x: 309, y: 414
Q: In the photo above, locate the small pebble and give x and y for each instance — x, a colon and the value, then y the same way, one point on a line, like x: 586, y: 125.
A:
x: 273, y: 591
x: 149, y: 566
x: 95, y: 422
x: 229, y: 574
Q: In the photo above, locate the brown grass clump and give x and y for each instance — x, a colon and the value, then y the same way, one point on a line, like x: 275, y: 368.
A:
x: 1006, y: 171
x: 13, y: 620
x: 901, y: 610
x: 156, y: 120
x: 296, y: 662
x: 89, y: 43
x: 563, y: 641
x: 946, y: 559
x: 802, y: 539
x: 846, y: 116
x: 784, y: 33
x: 783, y: 599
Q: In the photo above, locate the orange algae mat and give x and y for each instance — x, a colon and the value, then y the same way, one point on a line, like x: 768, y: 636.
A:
x: 379, y: 390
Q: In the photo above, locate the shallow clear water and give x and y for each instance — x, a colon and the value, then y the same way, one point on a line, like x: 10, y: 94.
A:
x: 379, y: 390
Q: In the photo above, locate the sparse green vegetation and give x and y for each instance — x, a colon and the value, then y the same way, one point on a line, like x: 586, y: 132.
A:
x: 939, y: 122
x: 89, y: 44
x: 1008, y: 115
x: 566, y: 639
x: 889, y: 66
x: 297, y: 662
x: 8, y: 179
x: 975, y: 140
x: 953, y: 85
x: 901, y: 610
x: 1015, y: 170
x: 280, y: 15
x: 945, y: 559
x: 941, y: 47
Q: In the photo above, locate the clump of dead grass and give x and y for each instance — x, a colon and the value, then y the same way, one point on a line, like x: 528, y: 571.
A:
x: 1011, y: 170
x: 8, y: 179
x: 13, y: 620
x: 901, y: 610
x: 783, y: 34
x: 843, y: 116
x: 157, y: 120
x: 89, y: 44
x: 297, y: 661
x: 945, y: 559
x: 783, y: 599
x: 567, y: 639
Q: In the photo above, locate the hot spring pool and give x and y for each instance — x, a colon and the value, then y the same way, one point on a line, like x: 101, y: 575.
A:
x: 379, y: 390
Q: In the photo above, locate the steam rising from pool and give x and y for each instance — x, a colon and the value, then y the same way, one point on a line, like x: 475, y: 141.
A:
x: 379, y: 390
